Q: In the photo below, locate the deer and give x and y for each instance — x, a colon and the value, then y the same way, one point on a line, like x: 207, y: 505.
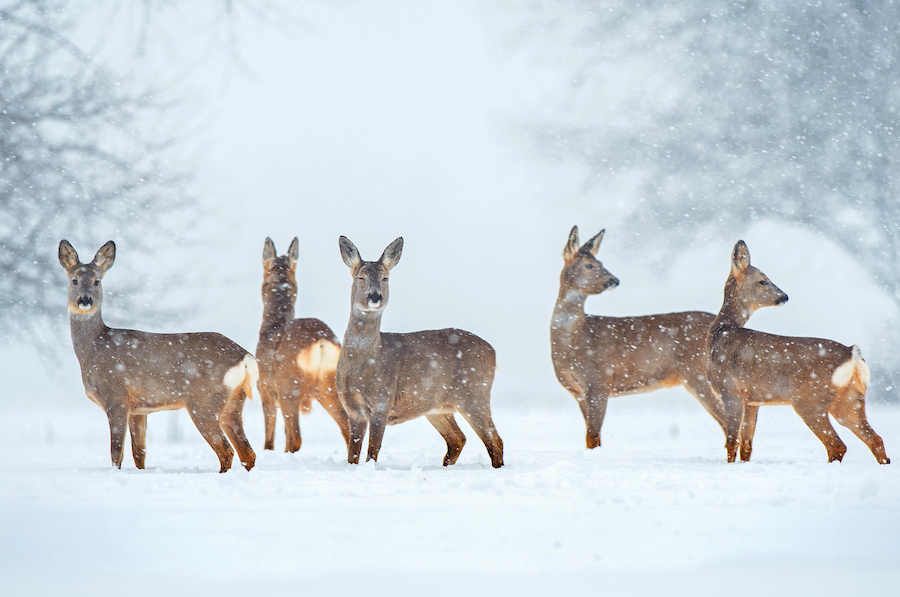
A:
x: 749, y: 369
x: 597, y: 357
x: 297, y: 357
x: 130, y: 374
x: 386, y: 378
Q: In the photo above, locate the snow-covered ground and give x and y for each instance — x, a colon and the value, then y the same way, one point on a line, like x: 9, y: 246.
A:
x: 656, y: 508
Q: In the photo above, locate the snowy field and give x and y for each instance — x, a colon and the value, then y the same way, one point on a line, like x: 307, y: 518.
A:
x: 656, y: 508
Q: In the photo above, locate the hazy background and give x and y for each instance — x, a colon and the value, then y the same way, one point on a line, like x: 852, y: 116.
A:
x: 450, y: 124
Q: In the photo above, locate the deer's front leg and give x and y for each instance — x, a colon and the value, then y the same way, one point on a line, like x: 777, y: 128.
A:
x: 595, y: 406
x: 734, y: 415
x: 357, y: 433
x: 118, y: 425
x: 377, y: 424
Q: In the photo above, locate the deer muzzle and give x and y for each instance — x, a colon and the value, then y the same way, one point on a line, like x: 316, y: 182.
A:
x: 373, y: 300
x: 611, y: 283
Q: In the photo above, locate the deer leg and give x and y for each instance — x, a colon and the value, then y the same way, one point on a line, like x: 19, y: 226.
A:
x: 137, y: 425
x: 748, y: 428
x: 481, y: 422
x: 377, y: 425
x: 850, y: 411
x: 453, y: 435
x: 734, y: 413
x: 232, y: 423
x: 595, y: 405
x: 118, y: 424
x: 208, y: 425
x: 270, y: 413
x: 329, y: 400
x: 817, y: 420
x: 290, y: 410
x: 699, y: 387
x: 357, y: 433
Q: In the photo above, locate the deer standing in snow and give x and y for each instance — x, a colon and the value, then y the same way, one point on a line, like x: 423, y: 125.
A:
x: 297, y: 357
x: 384, y: 379
x: 749, y: 369
x: 599, y: 357
x: 130, y: 374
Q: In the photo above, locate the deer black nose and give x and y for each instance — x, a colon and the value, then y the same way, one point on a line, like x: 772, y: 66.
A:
x: 611, y: 283
x: 782, y: 300
x: 84, y: 301
x: 373, y: 298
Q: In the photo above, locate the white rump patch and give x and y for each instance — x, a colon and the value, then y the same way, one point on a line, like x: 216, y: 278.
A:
x: 237, y: 374
x: 843, y: 374
x: 319, y: 358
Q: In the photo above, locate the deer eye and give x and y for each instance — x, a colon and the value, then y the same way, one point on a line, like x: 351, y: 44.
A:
x: 763, y: 283
x: 384, y: 279
x: 588, y: 266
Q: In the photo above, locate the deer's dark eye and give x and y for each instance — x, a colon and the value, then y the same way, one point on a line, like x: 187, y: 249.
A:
x: 74, y: 282
x: 384, y: 279
x: 96, y: 282
x: 588, y: 266
x: 763, y: 283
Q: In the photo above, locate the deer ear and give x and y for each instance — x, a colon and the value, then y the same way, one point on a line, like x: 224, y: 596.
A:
x: 593, y: 245
x: 391, y: 255
x: 105, y: 257
x: 294, y: 251
x: 740, y: 257
x: 269, y: 253
x: 68, y: 257
x: 349, y: 253
x: 571, y: 245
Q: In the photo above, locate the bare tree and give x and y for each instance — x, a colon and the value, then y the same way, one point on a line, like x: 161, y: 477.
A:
x: 73, y: 162
x: 726, y: 113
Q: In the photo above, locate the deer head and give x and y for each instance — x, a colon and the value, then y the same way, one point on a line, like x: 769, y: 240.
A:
x: 280, y: 272
x: 369, y: 293
x: 582, y: 271
x: 85, y: 288
x: 748, y: 288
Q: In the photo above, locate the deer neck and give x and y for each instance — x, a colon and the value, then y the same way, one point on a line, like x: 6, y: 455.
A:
x: 363, y: 335
x: 568, y: 314
x: 733, y: 312
x: 86, y: 331
x: 278, y: 310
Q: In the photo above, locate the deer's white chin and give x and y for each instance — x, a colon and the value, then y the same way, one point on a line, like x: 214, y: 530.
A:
x: 373, y: 305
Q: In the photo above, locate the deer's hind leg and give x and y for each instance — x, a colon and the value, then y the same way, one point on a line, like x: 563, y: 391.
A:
x: 481, y: 422
x: 329, y: 400
x: 453, y: 435
x: 849, y: 409
x: 699, y: 387
x: 232, y: 423
x: 817, y: 420
x: 205, y: 418
x: 291, y: 400
x: 137, y: 425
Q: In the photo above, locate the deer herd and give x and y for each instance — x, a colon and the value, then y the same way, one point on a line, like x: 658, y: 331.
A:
x: 373, y: 379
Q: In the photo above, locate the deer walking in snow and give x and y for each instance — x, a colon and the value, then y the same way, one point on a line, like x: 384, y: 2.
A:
x: 596, y: 357
x: 130, y: 374
x: 297, y: 357
x: 749, y: 369
x: 384, y: 379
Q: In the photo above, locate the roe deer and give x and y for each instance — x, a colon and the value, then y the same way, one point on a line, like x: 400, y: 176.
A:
x: 385, y: 379
x: 749, y: 369
x: 599, y: 357
x: 297, y: 357
x: 130, y: 373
